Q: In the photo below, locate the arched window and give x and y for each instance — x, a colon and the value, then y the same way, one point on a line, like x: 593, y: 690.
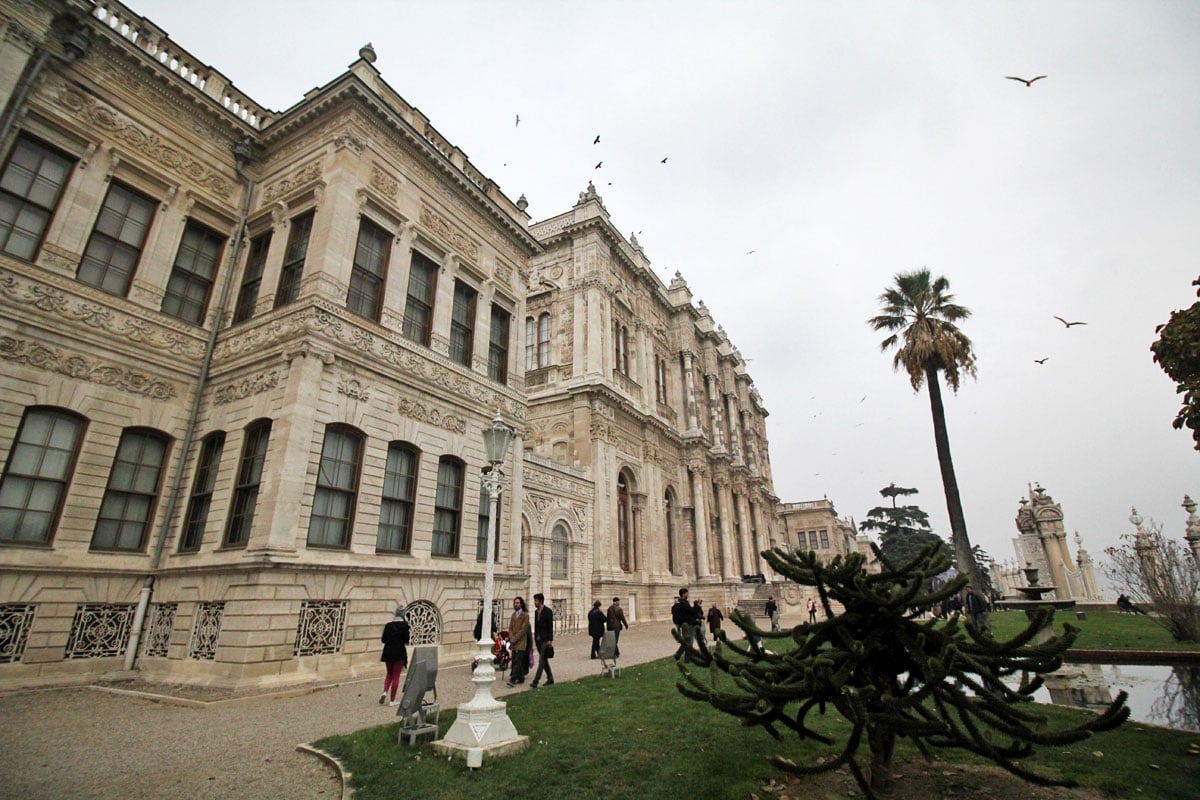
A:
x: 669, y: 510
x: 543, y: 354
x: 621, y: 344
x: 624, y: 532
x: 559, y: 559
x: 132, y: 491
x: 337, y: 487
x: 399, y: 497
x: 38, y: 472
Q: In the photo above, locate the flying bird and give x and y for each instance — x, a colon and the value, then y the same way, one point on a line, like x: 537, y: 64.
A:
x: 751, y: 252
x: 1027, y: 83
x: 1069, y: 324
x: 597, y: 139
x: 1041, y: 360
x: 664, y: 160
x: 518, y: 120
x: 599, y: 164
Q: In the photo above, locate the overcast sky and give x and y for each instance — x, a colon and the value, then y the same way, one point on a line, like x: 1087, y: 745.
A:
x: 843, y: 143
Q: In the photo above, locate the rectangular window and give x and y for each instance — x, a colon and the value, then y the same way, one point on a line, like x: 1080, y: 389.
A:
x: 252, y: 278
x: 447, y: 510
x: 30, y: 188
x: 482, y: 529
x: 115, y: 246
x: 365, y: 297
x: 399, y: 496
x: 498, y: 345
x: 202, y: 489
x: 824, y: 540
x: 35, y: 480
x: 462, y: 324
x: 132, y: 489
x: 543, y: 354
x: 530, y: 344
x: 293, y: 260
x: 190, y: 285
x: 337, y: 488
x: 245, y: 488
x: 418, y: 308
x: 813, y: 544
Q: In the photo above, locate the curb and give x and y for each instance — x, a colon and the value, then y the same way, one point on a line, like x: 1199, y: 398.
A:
x: 343, y: 775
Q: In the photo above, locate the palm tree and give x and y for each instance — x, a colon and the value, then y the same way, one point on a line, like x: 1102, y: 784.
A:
x: 921, y: 314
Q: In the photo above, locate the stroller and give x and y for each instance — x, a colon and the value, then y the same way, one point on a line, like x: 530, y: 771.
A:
x: 501, y: 654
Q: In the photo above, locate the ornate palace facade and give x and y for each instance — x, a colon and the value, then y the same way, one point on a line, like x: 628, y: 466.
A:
x: 246, y: 358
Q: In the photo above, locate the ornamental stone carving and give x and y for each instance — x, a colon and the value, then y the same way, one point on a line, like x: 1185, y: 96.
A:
x: 354, y: 389
x: 285, y: 186
x: 423, y: 413
x: 50, y: 359
x: 246, y: 387
x: 135, y: 137
x: 382, y: 181
x: 442, y: 227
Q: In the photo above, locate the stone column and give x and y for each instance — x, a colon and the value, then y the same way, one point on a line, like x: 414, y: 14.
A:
x: 718, y: 429
x: 689, y: 392
x: 733, y: 413
x: 1193, y: 526
x: 723, y: 506
x: 701, y: 525
x: 749, y: 556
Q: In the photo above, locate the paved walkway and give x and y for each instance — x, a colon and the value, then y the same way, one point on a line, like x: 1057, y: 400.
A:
x: 85, y: 743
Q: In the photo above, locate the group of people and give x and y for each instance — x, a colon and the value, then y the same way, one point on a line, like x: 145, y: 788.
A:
x: 525, y: 629
x: 600, y: 621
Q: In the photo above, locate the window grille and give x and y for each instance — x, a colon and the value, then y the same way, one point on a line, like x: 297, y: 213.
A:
x: 15, y: 621
x: 206, y: 629
x: 99, y: 630
x: 321, y: 627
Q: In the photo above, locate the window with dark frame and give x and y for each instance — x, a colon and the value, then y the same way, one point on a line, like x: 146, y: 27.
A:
x: 115, y: 246
x: 256, y: 260
x: 560, y: 545
x: 337, y: 488
x: 193, y: 274
x: 462, y: 324
x: 447, y: 509
x: 399, y: 499
x: 543, y: 353
x: 624, y: 535
x: 246, y: 487
x: 418, y: 307
x: 482, y: 529
x: 30, y: 188
x: 129, y: 498
x: 38, y: 473
x: 196, y: 516
x: 293, y: 260
x: 365, y: 296
x: 498, y: 344
x: 530, y: 344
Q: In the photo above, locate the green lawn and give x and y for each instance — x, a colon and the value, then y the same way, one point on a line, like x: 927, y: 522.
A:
x: 1101, y: 630
x: 637, y: 737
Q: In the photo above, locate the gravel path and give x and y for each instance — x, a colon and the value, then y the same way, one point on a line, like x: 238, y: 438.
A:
x: 84, y: 743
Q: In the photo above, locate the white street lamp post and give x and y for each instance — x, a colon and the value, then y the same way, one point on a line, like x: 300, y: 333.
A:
x: 482, y: 723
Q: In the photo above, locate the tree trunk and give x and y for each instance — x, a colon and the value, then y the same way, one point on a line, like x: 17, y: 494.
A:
x: 963, y: 555
x: 882, y: 742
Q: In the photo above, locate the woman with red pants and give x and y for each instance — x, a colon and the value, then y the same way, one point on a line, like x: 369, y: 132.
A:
x: 395, y: 653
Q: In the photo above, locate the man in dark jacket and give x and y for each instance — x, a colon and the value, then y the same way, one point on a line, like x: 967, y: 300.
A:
x: 684, y: 618
x: 543, y: 639
x: 616, y: 621
x: 596, y: 623
x: 772, y: 613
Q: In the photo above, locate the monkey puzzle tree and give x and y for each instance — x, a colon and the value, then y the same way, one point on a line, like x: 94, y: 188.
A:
x: 938, y: 684
x: 921, y: 315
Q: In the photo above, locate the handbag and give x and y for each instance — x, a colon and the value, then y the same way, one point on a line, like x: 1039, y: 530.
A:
x: 548, y: 651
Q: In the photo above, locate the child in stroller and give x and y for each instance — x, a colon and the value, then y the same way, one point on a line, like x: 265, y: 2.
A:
x: 501, y: 653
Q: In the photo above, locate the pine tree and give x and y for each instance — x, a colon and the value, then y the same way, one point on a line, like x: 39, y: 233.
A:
x: 889, y: 673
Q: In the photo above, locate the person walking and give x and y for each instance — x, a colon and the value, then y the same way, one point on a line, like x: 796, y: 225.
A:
x: 715, y: 616
x: 682, y: 616
x: 518, y: 640
x: 543, y: 639
x: 773, y: 613
x: 811, y: 605
x: 616, y: 621
x: 698, y: 620
x: 395, y: 653
x: 976, y: 606
x: 597, y: 621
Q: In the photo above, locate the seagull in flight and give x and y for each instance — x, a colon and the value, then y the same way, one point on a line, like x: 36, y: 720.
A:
x: 599, y: 164
x: 1069, y: 324
x: 518, y: 120
x: 664, y: 160
x: 1027, y: 83
x: 1041, y: 360
x: 751, y: 252
x: 597, y: 139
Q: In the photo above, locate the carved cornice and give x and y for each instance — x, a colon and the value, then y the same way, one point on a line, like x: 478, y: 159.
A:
x: 92, y: 310
x: 423, y: 413
x: 124, y: 130
x: 448, y: 232
x: 79, y: 367
x: 384, y: 182
x: 302, y: 177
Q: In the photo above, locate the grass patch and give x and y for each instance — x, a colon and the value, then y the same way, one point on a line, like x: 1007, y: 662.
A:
x: 637, y: 737
x: 1102, y: 630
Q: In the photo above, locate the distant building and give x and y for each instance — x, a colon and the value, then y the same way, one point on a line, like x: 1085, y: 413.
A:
x: 248, y: 356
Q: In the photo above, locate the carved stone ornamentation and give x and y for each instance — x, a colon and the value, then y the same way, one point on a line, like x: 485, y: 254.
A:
x: 285, y: 186
x: 383, y: 182
x: 423, y: 413
x: 353, y: 388
x: 349, y: 139
x: 22, y: 351
x: 145, y: 143
x: 247, y: 387
x: 443, y: 228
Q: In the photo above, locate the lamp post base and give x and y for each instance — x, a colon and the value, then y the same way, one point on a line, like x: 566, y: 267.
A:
x: 482, y: 725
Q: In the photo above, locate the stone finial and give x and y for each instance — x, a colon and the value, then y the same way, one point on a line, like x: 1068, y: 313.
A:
x: 1189, y: 505
x: 589, y: 194
x: 1135, y: 518
x: 633, y: 239
x: 367, y: 53
x: 678, y: 282
x: 522, y: 203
